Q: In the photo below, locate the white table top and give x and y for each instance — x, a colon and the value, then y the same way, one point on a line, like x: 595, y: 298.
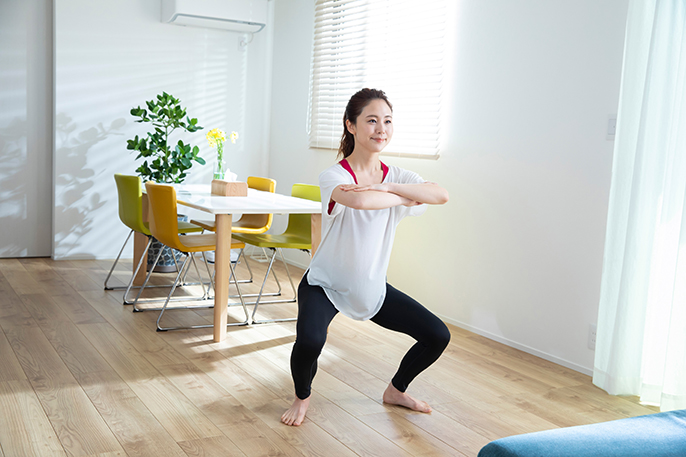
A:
x: 198, y: 196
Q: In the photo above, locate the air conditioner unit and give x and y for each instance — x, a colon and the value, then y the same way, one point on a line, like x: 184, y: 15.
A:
x: 237, y: 15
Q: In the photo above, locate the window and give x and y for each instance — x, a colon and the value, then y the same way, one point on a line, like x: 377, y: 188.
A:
x: 393, y: 45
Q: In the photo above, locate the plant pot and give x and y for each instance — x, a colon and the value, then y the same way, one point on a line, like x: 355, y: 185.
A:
x: 166, y: 263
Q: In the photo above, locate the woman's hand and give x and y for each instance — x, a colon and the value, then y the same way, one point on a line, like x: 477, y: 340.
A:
x: 410, y: 194
x: 427, y: 192
x: 373, y: 196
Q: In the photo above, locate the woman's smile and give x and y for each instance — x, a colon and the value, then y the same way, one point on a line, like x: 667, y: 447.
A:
x: 375, y: 123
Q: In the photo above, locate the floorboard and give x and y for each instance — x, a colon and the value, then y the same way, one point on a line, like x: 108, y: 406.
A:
x: 82, y: 375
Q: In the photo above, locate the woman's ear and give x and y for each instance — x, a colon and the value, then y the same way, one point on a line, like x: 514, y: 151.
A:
x: 350, y: 126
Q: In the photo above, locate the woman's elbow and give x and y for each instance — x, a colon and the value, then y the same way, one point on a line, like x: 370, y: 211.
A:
x: 442, y: 197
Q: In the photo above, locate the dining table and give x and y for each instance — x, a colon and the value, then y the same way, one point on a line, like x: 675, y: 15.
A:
x: 223, y: 208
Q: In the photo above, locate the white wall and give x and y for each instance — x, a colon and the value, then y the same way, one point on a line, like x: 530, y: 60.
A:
x: 25, y: 128
x: 516, y: 254
x: 112, y: 56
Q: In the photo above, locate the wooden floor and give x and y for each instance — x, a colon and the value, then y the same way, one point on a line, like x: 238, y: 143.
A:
x: 81, y: 375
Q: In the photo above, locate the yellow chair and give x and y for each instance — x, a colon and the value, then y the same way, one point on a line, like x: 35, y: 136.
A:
x: 164, y: 227
x: 253, y: 224
x: 130, y: 195
x: 298, y: 235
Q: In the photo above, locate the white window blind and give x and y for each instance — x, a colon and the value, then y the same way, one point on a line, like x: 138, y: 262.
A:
x: 393, y: 45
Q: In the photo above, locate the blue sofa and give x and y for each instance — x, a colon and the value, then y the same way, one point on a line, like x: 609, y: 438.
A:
x: 654, y: 435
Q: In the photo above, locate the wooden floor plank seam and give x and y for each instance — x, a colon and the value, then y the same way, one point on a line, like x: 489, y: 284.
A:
x: 179, y: 394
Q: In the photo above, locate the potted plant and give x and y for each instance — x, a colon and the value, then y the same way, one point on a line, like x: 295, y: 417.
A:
x: 164, y: 162
x: 167, y: 164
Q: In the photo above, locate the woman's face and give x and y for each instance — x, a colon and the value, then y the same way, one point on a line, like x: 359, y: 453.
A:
x: 374, y: 127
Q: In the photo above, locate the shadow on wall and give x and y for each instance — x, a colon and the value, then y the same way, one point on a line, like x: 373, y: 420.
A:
x: 75, y: 202
x: 13, y: 185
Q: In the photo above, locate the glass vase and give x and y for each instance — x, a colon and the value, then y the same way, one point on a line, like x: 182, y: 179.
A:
x: 219, y: 170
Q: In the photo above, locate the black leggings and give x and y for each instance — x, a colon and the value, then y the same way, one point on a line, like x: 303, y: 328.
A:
x: 399, y: 312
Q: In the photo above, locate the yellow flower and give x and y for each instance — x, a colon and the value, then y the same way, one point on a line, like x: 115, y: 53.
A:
x: 215, y: 136
x: 234, y: 137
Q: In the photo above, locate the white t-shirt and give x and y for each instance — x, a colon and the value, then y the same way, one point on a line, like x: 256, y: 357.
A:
x: 352, y: 258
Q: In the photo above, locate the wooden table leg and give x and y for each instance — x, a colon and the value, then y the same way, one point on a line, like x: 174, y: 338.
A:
x: 316, y: 231
x: 221, y: 264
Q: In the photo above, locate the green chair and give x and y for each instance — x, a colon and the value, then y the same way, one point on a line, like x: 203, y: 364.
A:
x: 298, y: 235
x: 130, y: 192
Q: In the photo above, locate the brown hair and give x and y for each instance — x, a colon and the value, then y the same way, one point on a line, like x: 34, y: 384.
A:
x: 355, y: 106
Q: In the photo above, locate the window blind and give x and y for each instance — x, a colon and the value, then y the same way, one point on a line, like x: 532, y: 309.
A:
x: 393, y: 45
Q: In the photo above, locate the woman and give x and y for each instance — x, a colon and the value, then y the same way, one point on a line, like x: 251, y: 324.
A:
x: 362, y: 202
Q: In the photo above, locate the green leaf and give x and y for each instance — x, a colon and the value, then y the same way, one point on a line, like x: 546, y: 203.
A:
x: 131, y: 144
x: 168, y: 160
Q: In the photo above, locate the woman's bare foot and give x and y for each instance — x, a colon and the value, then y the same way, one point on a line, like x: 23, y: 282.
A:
x: 395, y: 397
x: 296, y: 413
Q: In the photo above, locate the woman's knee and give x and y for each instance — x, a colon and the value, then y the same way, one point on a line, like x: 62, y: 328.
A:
x: 440, y: 337
x: 309, y: 344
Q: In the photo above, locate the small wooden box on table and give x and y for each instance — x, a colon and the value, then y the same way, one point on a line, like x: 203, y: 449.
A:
x: 229, y: 188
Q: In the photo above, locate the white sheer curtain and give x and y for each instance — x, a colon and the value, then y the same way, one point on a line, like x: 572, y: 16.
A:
x: 641, y: 338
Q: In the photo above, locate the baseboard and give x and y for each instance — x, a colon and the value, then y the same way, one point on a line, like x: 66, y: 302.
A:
x: 82, y: 257
x: 297, y: 264
x: 499, y: 339
x: 521, y: 347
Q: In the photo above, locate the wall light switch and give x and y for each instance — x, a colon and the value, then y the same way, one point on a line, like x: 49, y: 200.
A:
x: 611, y: 127
x: 591, y: 336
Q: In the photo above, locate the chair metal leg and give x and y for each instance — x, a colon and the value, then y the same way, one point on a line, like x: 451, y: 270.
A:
x: 183, y: 280
x: 115, y: 264
x: 204, y: 295
x: 207, y: 267
x: 147, y: 277
x: 232, y: 274
x: 135, y: 302
x: 245, y: 309
x: 130, y: 285
x: 294, y: 299
x: 247, y: 264
x: 293, y: 289
x: 171, y: 292
x: 270, y: 294
x: 240, y: 295
x: 145, y: 284
x: 135, y: 273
